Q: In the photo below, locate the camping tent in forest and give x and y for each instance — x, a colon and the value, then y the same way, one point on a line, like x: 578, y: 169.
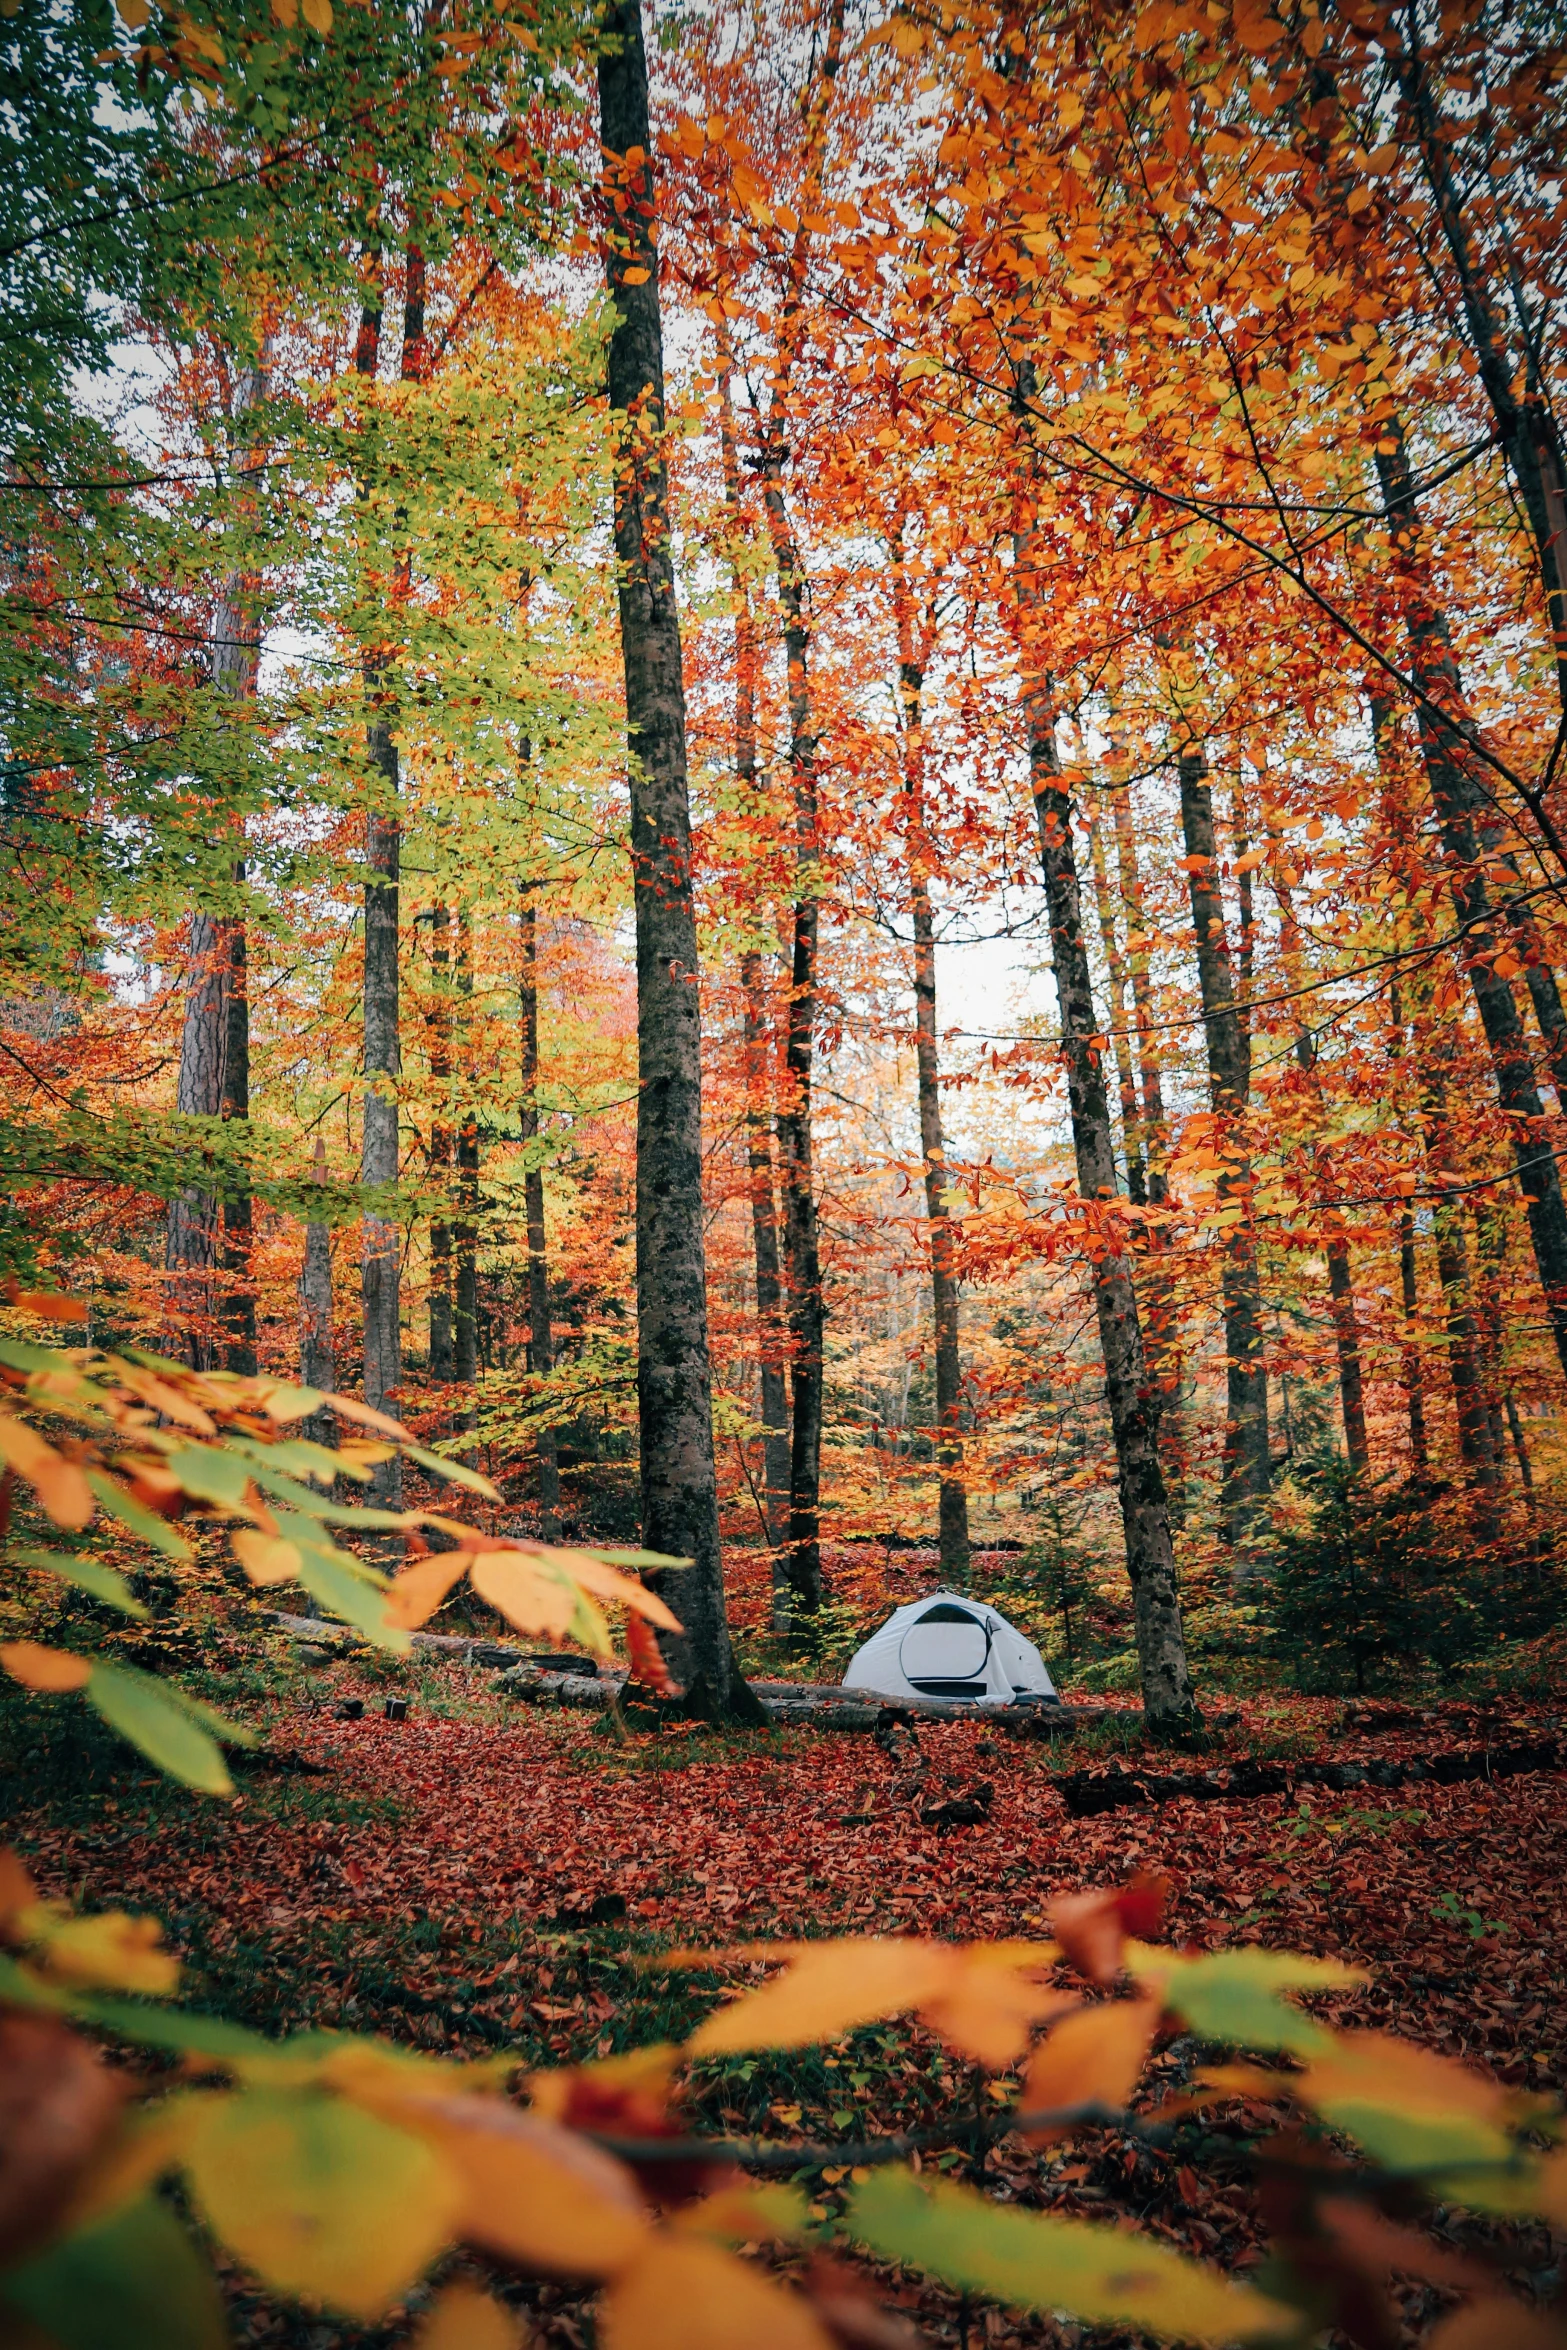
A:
x: 949, y: 1646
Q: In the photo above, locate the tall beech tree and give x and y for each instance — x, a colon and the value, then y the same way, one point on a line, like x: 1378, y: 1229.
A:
x: 1130, y: 1392
x: 1247, y: 1471
x: 916, y: 635
x: 674, y: 1371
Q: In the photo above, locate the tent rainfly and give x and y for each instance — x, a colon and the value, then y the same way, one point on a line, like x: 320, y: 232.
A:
x: 949, y: 1646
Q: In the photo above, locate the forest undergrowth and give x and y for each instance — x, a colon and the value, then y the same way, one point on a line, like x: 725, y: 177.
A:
x: 472, y: 1878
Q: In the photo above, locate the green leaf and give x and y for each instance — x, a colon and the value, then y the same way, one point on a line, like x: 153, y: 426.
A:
x: 27, y: 1358
x: 343, y: 1591
x: 88, y: 1575
x: 167, y: 1733
x: 320, y: 2198
x: 1101, y: 2275
x: 456, y: 1471
x: 208, y: 1473
x: 173, y: 2028
x: 144, y: 1522
x: 133, y: 2281
x: 1232, y: 1996
x: 634, y: 1558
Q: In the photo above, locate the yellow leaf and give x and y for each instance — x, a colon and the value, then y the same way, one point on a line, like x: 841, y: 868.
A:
x: 528, y: 2191
x: 828, y: 1988
x: 1414, y: 2110
x: 44, y: 1668
x: 266, y: 1558
x: 908, y: 38
x: 608, y: 1583
x: 747, y: 2215
x: 321, y: 2198
x: 683, y: 2294
x: 516, y: 1586
x: 59, y: 1484
x: 1095, y: 2056
x: 285, y: 13
x: 419, y: 1590
x: 133, y: 14
x: 977, y: 1996
x: 463, y: 2318
x: 112, y: 1952
x: 318, y: 15
x: 635, y: 277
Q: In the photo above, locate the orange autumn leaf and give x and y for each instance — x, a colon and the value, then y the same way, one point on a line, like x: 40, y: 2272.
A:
x: 60, y: 1484
x: 418, y: 1590
x: 531, y: 2191
x: 647, y: 1659
x: 978, y: 1997
x: 461, y: 2317
x: 1092, y: 1928
x: 266, y: 1558
x: 42, y: 1668
x: 48, y: 1304
x: 684, y: 2294
x: 1093, y: 2057
x: 513, y: 1585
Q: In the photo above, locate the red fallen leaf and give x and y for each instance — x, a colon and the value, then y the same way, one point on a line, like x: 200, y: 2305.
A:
x: 1092, y: 1927
x: 647, y: 1659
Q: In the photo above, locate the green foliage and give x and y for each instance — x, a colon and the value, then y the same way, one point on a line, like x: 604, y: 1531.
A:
x: 1371, y: 1585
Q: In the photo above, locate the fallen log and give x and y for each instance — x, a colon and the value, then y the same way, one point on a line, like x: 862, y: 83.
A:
x: 1088, y: 1793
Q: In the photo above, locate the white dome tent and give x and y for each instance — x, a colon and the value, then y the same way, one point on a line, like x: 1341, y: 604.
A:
x: 950, y: 1647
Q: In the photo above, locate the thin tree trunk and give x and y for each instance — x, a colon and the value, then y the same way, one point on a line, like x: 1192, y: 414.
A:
x: 1162, y: 1322
x: 1455, y: 792
x: 772, y: 1330
x: 807, y: 1318
x: 239, y: 1310
x: 541, y: 1344
x: 772, y: 1333
x: 1452, y: 1266
x: 439, y: 1156
x: 465, y: 1232
x: 674, y: 1376
x: 381, y: 1258
x: 1131, y: 1394
x: 214, y: 1073
x: 1525, y: 425
x: 1120, y: 1040
x: 1247, y: 1472
x: 317, y: 1351
x: 953, y: 1501
x: 1414, y: 1380
x: 1341, y: 1290
x: 191, y: 1253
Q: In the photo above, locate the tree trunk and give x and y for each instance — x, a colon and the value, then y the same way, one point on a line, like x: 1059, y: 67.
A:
x: 771, y: 1330
x: 1341, y: 1293
x: 1455, y: 791
x: 1163, y: 1333
x: 381, y: 1259
x: 807, y: 1316
x: 674, y: 1378
x: 214, y: 1073
x: 1131, y: 1394
x: 541, y: 1345
x: 953, y: 1501
x: 1247, y: 1472
x: 239, y: 1312
x: 1525, y: 426
x: 317, y: 1352
x: 191, y: 1254
x: 1120, y: 1039
x: 465, y: 1231
x: 1414, y: 1379
x: 439, y: 1155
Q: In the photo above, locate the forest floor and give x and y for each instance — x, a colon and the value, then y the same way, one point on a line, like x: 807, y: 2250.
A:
x: 475, y: 1877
